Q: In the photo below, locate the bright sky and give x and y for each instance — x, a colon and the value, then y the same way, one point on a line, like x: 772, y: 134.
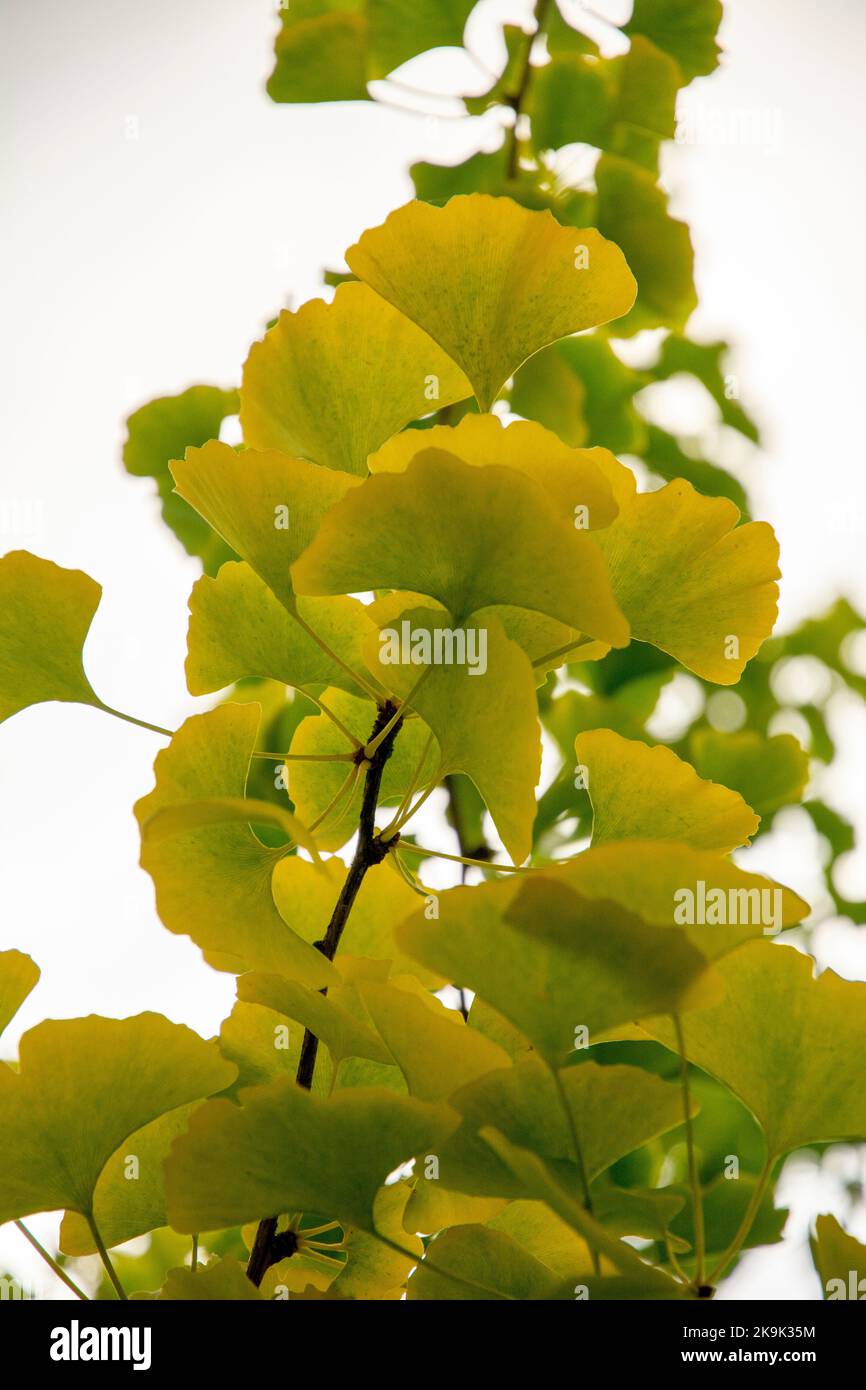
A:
x: 162, y: 209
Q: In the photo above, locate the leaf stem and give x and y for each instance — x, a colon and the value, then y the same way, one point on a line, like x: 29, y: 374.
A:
x: 50, y: 1260
x: 131, y: 719
x: 578, y: 1154
x: 104, y: 1256
x: 408, y: 847
x: 694, y: 1177
x: 359, y: 679
x: 193, y: 1259
x: 746, y: 1224
x: 306, y: 757
x: 369, y: 851
x: 563, y: 651
x: 399, y: 714
x: 329, y: 714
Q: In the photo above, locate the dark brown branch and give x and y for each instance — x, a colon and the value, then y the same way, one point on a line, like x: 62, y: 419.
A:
x: 268, y: 1247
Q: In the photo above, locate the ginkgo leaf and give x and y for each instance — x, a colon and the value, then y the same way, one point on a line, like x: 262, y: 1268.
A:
x: 491, y: 281
x: 632, y: 209
x: 18, y: 976
x: 129, y: 1198
x: 615, y: 1109
x: 208, y: 811
x: 578, y: 487
x: 164, y: 429
x: 469, y: 537
x: 266, y: 505
x: 331, y: 382
x: 690, y: 583
x: 84, y: 1085
x: 342, y: 1034
x: 45, y: 615
x: 305, y: 899
x: 400, y: 29
x: 767, y: 772
x: 286, y: 1150
x: 536, y: 1178
x: 638, y: 792
x: 790, y: 1046
x: 554, y: 964
x: 265, y: 1045
x: 238, y: 628
x: 489, y: 1262
x: 314, y: 785
x: 213, y: 882
x: 840, y: 1261
x: 321, y: 52
x: 546, y: 1236
x: 649, y: 876
x: 476, y: 708
x: 432, y: 1046
x: 373, y: 1270
x: 222, y: 1281
x: 685, y: 28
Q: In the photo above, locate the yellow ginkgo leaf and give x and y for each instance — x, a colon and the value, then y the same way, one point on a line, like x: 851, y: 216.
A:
x: 469, y: 537
x: 45, y: 615
x: 642, y: 793
x: 492, y: 281
x: 18, y: 976
x: 267, y: 506
x: 688, y: 581
x: 213, y: 881
x: 479, y: 700
x: 324, y: 1015
x: 85, y: 1084
x: 331, y: 382
x: 576, y: 479
x: 238, y: 628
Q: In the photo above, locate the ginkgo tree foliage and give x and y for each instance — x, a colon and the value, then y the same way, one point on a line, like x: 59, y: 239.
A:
x: 433, y: 549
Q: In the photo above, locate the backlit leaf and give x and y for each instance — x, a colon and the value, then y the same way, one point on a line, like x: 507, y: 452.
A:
x: 213, y: 882
x: 45, y: 615
x: 492, y: 282
x: 84, y: 1085
x: 332, y: 382
x: 18, y: 976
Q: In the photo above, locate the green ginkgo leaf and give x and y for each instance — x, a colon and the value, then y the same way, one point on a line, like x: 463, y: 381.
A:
x: 374, y: 1270
x: 767, y: 772
x: 267, y: 506
x: 18, y: 976
x: 536, y: 1178
x: 287, y: 1150
x: 164, y: 429
x: 615, y: 1110
x: 84, y: 1085
x: 641, y: 793
x: 265, y: 1046
x: 469, y: 537
x: 489, y: 1262
x: 321, y: 52
x: 213, y: 881
x: 332, y: 382
x: 476, y: 708
x: 840, y: 1261
x: 546, y: 1236
x: 632, y: 209
x: 184, y: 816
x: 238, y: 628
x: 576, y: 483
x: 685, y: 28
x: 129, y: 1198
x: 45, y: 615
x: 554, y: 964
x: 792, y: 1047
x: 221, y: 1281
x: 431, y: 1045
x: 491, y: 281
x: 687, y: 581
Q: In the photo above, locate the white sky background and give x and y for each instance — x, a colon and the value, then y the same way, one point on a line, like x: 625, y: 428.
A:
x: 134, y: 267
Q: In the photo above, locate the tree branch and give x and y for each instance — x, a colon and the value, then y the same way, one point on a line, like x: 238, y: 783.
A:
x: 268, y: 1248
